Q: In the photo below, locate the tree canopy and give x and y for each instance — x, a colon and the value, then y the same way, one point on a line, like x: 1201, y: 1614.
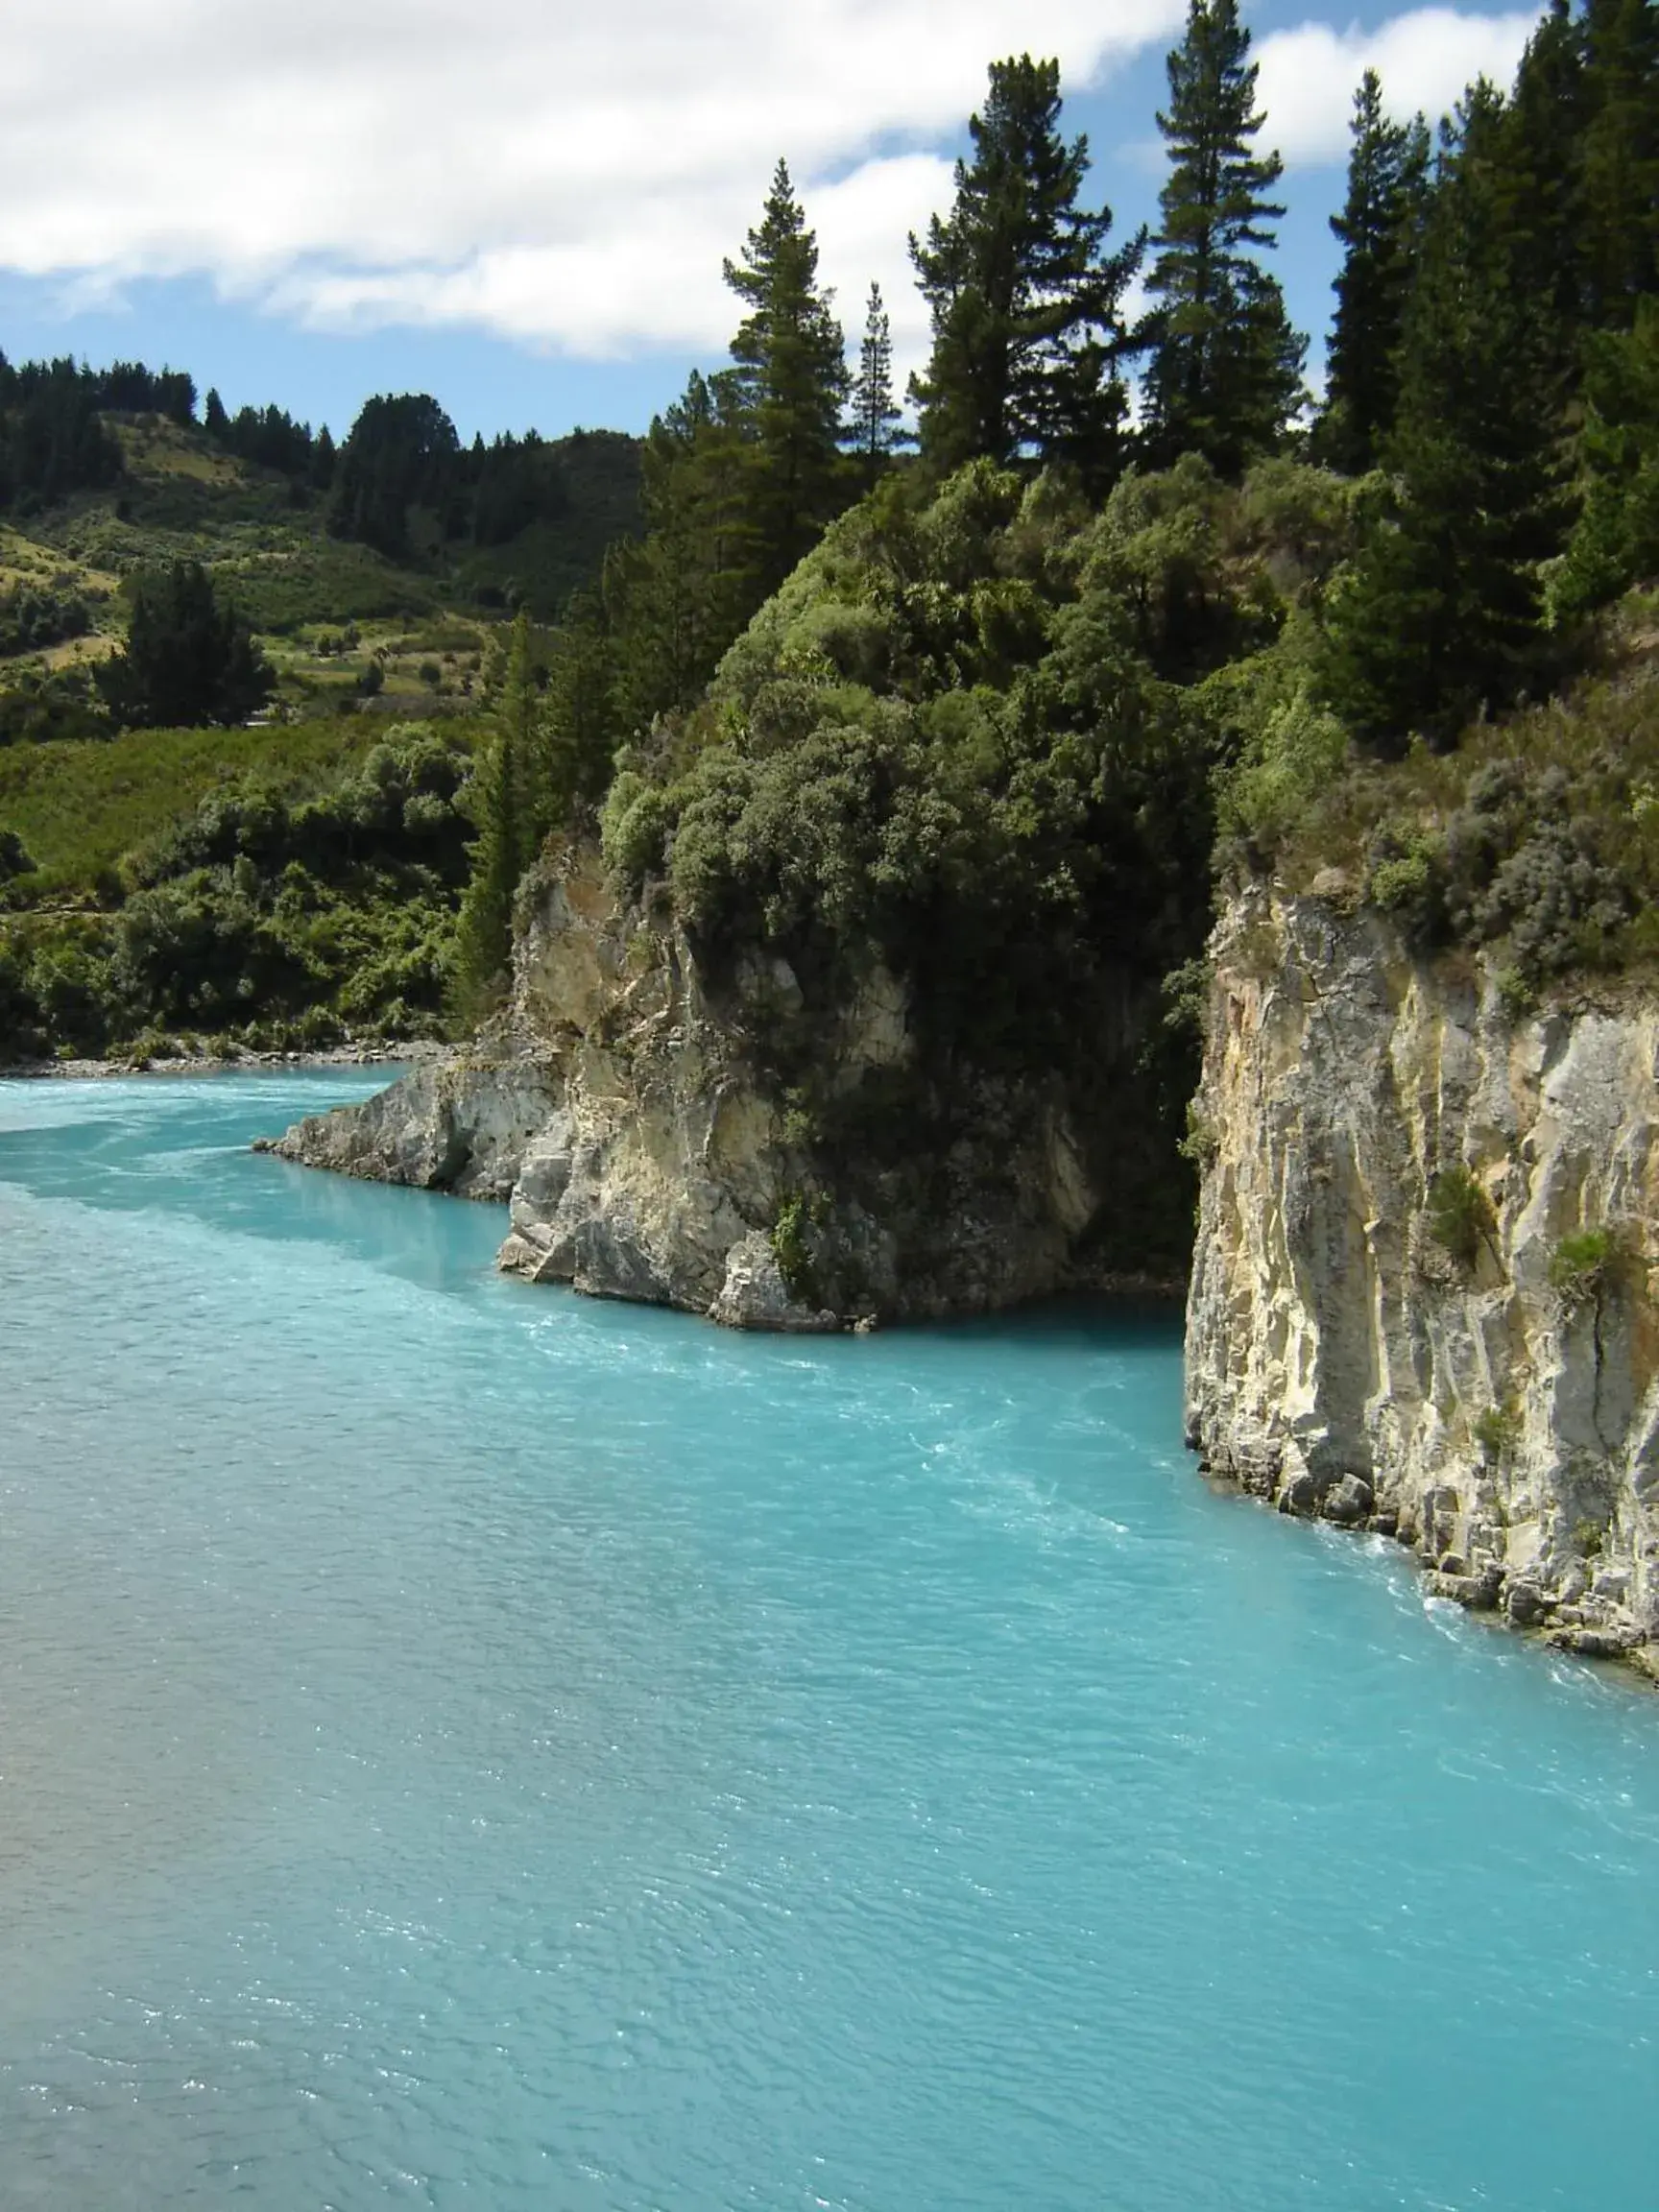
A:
x: 1024, y: 298
x: 188, y: 657
x: 1224, y: 378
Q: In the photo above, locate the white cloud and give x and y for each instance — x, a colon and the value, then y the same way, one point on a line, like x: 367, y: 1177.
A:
x: 555, y: 173
x: 1425, y: 59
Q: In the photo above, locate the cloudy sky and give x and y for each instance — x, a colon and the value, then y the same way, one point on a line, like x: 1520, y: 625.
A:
x: 522, y: 209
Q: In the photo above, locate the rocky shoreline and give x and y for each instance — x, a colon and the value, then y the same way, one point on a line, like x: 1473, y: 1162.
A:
x: 400, y: 1055
x: 627, y: 1107
x: 1343, y: 1360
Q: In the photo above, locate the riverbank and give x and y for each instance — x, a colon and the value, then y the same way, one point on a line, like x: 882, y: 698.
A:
x: 405, y: 1053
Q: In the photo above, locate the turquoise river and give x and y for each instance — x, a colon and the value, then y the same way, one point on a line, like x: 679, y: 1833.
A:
x: 464, y: 1745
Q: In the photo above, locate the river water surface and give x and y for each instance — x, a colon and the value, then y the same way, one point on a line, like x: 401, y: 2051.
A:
x: 464, y: 1745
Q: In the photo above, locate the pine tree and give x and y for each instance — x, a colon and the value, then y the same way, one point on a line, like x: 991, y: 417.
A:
x: 791, y: 383
x: 502, y: 810
x: 577, y: 729
x: 401, y: 453
x: 873, y: 422
x: 323, y: 458
x: 1378, y: 225
x: 1537, y: 172
x: 1024, y: 296
x: 1441, y: 615
x: 1619, y: 151
x: 189, y: 658
x: 1225, y: 374
x: 675, y: 598
x: 1615, y: 543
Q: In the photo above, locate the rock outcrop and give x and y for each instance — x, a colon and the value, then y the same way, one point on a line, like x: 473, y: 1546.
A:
x: 1421, y: 1297
x: 631, y: 1109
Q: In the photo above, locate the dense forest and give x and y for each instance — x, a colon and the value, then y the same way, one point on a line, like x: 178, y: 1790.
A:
x: 991, y: 676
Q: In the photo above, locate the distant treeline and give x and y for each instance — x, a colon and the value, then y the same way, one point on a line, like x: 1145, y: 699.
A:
x: 402, y: 482
x: 405, y: 483
x: 53, y: 438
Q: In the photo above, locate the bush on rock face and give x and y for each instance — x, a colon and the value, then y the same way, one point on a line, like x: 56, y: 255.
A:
x: 1460, y: 1217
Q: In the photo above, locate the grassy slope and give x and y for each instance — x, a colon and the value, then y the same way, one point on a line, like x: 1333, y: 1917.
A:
x: 184, y: 500
x: 78, y: 807
x: 360, y: 646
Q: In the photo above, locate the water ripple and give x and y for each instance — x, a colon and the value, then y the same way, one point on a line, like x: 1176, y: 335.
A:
x: 465, y: 1746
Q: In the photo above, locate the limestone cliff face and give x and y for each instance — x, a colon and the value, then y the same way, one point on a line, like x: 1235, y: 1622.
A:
x: 632, y: 1113
x: 1496, y: 1406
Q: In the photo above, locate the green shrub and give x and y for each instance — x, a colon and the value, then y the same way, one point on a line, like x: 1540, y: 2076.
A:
x: 791, y: 1244
x: 1460, y: 1217
x: 1300, y: 750
x: 1404, y: 876
x: 1590, y: 1265
x: 1497, y: 1431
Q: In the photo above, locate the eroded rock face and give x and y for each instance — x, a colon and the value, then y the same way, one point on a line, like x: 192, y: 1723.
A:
x: 459, y: 1125
x: 633, y: 1118
x: 1340, y: 1359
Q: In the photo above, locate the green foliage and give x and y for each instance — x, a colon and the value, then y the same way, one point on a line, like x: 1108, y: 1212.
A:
x: 315, y: 908
x: 1225, y: 374
x: 789, y: 383
x: 791, y: 1246
x: 1616, y: 542
x: 1379, y: 229
x: 31, y: 618
x: 873, y: 419
x: 1406, y: 877
x: 80, y: 807
x: 1498, y: 1431
x: 941, y: 752
x: 52, y: 440
x: 1531, y: 265
x: 400, y: 455
x: 1024, y: 296
x: 1588, y: 1267
x: 189, y: 657
x: 1537, y: 840
x: 39, y: 704
x: 504, y: 808
x: 1292, y: 758
x: 304, y: 578
x: 1460, y: 1216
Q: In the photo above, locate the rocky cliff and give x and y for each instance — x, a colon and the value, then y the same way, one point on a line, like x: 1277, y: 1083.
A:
x: 1421, y: 1299
x: 719, y: 1136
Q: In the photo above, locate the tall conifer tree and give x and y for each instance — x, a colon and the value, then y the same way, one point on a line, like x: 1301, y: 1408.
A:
x: 1441, y: 615
x: 873, y: 422
x: 1536, y: 167
x: 1620, y: 196
x: 675, y: 598
x: 504, y: 814
x: 1225, y: 373
x: 1379, y: 227
x: 1024, y: 296
x: 791, y: 381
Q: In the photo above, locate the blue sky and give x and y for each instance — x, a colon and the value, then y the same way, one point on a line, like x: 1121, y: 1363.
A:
x: 525, y: 216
